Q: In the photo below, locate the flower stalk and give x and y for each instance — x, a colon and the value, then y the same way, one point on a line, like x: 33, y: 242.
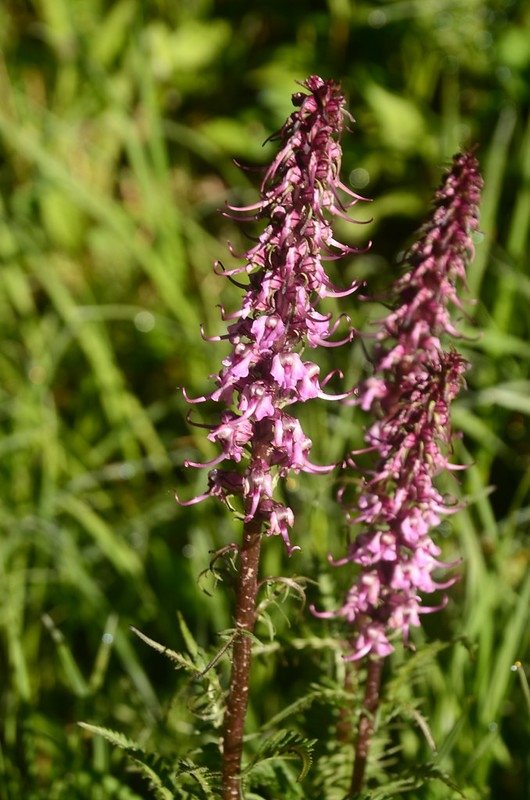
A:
x: 245, y: 617
x: 266, y: 372
x: 414, y: 383
x: 366, y: 724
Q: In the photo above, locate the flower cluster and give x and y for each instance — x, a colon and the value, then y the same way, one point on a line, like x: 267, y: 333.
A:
x: 265, y: 371
x: 414, y: 383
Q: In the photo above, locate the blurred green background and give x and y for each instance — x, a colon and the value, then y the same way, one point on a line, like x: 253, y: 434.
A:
x: 118, y: 125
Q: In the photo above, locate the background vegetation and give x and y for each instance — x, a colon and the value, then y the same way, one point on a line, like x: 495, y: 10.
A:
x: 118, y: 123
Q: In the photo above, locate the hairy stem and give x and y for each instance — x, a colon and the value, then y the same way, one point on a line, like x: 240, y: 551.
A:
x: 237, y: 701
x: 366, y: 724
x: 344, y: 724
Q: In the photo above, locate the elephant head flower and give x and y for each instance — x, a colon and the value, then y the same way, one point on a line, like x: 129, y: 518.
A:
x: 266, y: 371
x: 413, y: 384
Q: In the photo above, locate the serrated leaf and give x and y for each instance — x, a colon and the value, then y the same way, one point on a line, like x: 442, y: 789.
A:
x: 217, y: 657
x: 433, y: 772
x: 151, y: 766
x: 202, y: 776
x: 391, y: 790
x: 301, y: 704
x: 415, y: 663
x: 279, y: 745
x: 176, y: 658
x: 114, y: 737
x: 157, y: 783
x: 274, y: 779
x: 264, y: 774
x: 422, y: 724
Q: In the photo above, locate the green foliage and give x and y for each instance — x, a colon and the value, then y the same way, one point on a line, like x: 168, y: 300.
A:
x: 281, y: 745
x: 118, y: 123
x: 165, y: 778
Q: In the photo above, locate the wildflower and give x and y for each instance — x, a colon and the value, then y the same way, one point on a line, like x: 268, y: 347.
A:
x: 414, y: 383
x: 265, y: 371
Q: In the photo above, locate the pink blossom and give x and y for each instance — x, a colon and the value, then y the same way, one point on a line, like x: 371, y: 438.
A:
x: 414, y: 383
x: 265, y: 372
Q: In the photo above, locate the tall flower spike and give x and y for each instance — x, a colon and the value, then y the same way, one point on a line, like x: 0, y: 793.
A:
x: 265, y: 371
x: 414, y: 383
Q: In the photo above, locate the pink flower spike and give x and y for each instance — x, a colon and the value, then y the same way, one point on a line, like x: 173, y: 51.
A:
x: 278, y: 317
x: 372, y: 640
x: 413, y: 384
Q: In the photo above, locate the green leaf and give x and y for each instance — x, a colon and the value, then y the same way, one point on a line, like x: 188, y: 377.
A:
x: 191, y: 644
x: 301, y: 704
x: 72, y: 673
x: 152, y: 767
x: 177, y: 658
x: 201, y: 775
x: 432, y: 772
x: 233, y: 136
x: 513, y: 395
x: 189, y: 49
x: 401, y: 125
x: 114, y: 737
x: 282, y: 745
x: 507, y: 653
x: 113, y: 33
x: 119, y: 553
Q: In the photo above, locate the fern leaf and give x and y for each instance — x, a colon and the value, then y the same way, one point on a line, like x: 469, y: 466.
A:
x: 201, y: 775
x: 114, y: 737
x: 431, y: 772
x: 392, y: 790
x: 275, y: 779
x: 332, y: 697
x: 177, y: 658
x: 151, y: 766
x: 415, y: 664
x: 158, y: 784
x: 281, y: 745
x: 217, y: 657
